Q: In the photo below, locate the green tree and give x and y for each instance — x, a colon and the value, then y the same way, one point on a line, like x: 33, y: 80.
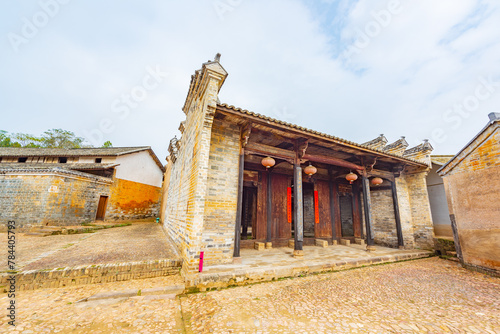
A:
x: 59, y: 138
x: 27, y: 140
x: 107, y: 144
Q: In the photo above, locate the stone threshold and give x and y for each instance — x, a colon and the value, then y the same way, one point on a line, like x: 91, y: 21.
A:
x: 238, y: 277
x: 89, y: 274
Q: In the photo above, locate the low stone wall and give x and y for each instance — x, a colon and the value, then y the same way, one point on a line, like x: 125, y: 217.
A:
x: 90, y: 274
x: 49, y: 197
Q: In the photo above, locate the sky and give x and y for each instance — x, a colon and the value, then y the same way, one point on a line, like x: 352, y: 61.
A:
x: 120, y: 70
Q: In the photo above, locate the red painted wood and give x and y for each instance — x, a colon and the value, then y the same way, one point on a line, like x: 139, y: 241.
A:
x: 316, y: 207
x: 289, y: 204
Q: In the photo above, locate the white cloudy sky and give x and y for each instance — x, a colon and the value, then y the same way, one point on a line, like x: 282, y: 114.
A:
x: 354, y: 69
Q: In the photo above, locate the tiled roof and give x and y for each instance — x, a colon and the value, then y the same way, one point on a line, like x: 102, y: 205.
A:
x: 324, y: 135
x: 77, y: 152
x: 441, y: 159
x: 71, y: 152
x: 68, y: 166
x: 47, y: 169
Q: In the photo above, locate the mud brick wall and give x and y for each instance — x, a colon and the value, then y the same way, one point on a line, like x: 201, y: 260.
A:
x: 222, y: 193
x: 52, y: 198
x: 132, y: 200
x: 384, y: 221
x: 473, y: 194
x: 90, y: 274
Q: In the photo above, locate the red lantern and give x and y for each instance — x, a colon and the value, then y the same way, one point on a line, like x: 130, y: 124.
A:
x: 376, y: 181
x: 268, y: 162
x: 310, y: 170
x: 351, y: 177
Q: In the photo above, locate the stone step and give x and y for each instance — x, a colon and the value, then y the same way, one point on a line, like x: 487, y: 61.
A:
x: 37, y: 234
x: 450, y: 253
x: 173, y: 290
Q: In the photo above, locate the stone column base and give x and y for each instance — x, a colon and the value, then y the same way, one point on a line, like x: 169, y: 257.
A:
x: 370, y: 248
x: 298, y: 253
x: 269, y: 245
x: 237, y: 260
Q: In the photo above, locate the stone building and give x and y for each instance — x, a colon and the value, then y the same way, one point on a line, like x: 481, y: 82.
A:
x: 219, y: 198
x: 472, y: 183
x: 49, y: 186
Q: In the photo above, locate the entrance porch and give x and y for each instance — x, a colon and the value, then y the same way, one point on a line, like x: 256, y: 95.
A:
x: 273, y: 264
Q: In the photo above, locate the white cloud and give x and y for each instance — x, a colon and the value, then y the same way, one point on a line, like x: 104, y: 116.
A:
x: 281, y: 59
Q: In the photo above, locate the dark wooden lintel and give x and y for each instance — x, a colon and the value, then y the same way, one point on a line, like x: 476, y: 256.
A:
x: 332, y: 161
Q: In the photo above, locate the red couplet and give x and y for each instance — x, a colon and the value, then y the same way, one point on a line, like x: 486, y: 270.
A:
x: 316, y: 207
x: 201, y: 262
x: 289, y: 204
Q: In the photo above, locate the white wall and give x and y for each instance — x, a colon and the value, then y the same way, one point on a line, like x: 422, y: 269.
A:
x: 139, y: 167
x: 437, y: 198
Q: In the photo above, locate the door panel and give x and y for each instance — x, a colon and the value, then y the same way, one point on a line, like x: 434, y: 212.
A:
x: 346, y: 218
x: 280, y: 227
x: 324, y: 228
x: 101, y: 207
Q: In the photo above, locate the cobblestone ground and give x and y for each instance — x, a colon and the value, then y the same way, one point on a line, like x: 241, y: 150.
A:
x: 422, y: 296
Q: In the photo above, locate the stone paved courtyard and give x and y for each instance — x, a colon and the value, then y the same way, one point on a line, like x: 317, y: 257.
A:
x: 140, y: 241
x: 421, y: 296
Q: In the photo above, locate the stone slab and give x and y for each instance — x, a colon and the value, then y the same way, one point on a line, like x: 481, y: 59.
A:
x: 259, y: 246
x: 345, y: 242
x: 321, y: 243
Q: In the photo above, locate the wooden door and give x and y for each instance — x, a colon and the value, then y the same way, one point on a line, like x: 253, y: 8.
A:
x: 281, y: 228
x: 323, y: 227
x: 101, y: 207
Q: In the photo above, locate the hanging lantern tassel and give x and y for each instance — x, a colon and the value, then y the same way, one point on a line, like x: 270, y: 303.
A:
x: 351, y: 177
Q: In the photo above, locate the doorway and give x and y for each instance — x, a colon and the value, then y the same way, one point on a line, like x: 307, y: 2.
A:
x: 309, y: 214
x: 346, y: 216
x: 101, y: 208
x: 249, y: 212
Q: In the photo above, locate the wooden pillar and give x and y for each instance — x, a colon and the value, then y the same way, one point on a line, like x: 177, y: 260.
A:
x: 332, y: 208
x: 269, y: 206
x: 368, y: 211
x: 399, y: 231
x: 298, y: 206
x: 360, y: 213
x: 239, y: 205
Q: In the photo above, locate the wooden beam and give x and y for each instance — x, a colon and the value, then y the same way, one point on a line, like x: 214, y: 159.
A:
x: 271, y: 151
x: 332, y: 161
x: 381, y: 173
x: 399, y: 231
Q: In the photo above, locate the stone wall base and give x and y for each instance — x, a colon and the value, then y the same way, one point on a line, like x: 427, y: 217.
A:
x: 101, y: 273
